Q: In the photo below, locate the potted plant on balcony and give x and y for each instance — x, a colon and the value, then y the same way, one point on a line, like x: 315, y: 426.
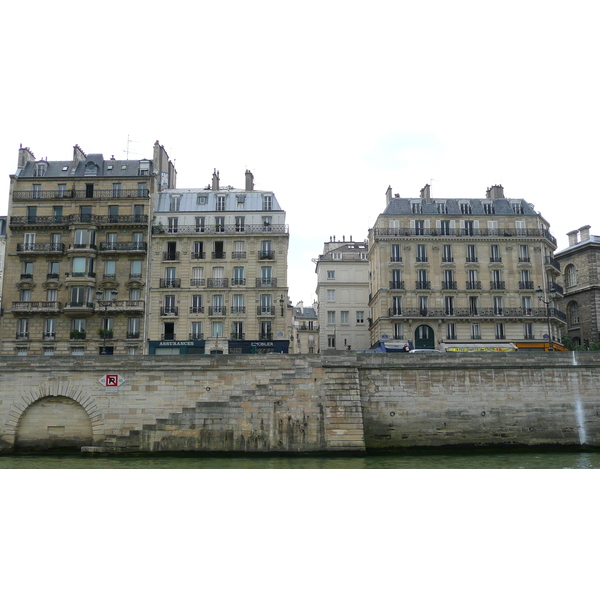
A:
x: 105, y: 333
x: 77, y: 335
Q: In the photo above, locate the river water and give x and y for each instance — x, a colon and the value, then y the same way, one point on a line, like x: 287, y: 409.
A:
x: 472, y: 459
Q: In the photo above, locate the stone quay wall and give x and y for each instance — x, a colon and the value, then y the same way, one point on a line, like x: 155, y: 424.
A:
x: 299, y: 403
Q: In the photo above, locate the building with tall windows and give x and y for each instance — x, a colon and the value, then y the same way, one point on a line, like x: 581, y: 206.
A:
x: 580, y: 267
x: 305, y: 329
x: 77, y: 253
x: 219, y: 271
x: 343, y: 295
x: 463, y: 272
x: 2, y: 253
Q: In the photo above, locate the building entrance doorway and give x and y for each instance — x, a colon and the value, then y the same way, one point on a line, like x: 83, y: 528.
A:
x: 424, y: 338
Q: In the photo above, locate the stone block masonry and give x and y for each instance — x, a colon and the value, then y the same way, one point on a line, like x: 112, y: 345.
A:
x: 342, y: 402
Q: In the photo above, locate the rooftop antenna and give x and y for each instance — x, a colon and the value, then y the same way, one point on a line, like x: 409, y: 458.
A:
x: 129, y: 141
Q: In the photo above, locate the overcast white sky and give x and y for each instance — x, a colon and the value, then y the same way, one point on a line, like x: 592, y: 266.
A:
x: 327, y: 103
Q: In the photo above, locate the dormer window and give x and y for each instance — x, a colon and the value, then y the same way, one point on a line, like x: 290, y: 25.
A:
x: 220, y: 202
x: 465, y: 208
x: 240, y: 198
x: 417, y: 208
x: 174, y: 203
x: 517, y: 208
x: 202, y: 199
x: 91, y: 169
x: 442, y: 208
x: 40, y: 169
x: 144, y: 167
x: 267, y: 203
x: 488, y: 208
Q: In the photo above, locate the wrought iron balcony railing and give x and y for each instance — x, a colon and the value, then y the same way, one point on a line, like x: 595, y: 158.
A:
x: 266, y: 255
x: 169, y: 311
x: 265, y: 311
x: 196, y: 310
x: 196, y: 336
x: 52, y: 306
x: 217, y: 282
x: 123, y: 246
x: 197, y: 282
x: 79, y: 194
x: 171, y: 255
x: 266, y: 282
x: 396, y: 285
x: 218, y: 229
x: 170, y: 283
x: 217, y: 311
x: 41, y: 248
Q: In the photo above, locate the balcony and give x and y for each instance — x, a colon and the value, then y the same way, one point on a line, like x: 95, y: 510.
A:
x: 196, y: 310
x: 219, y: 254
x: 48, y: 336
x: 554, y: 287
x: 381, y: 233
x: 238, y: 281
x: 265, y: 311
x: 525, y: 285
x: 524, y: 259
x: 396, y: 285
x: 473, y: 285
x: 26, y: 275
x: 237, y: 336
x: 447, y: 259
x: 218, y: 229
x: 170, y: 255
x: 266, y: 282
x: 394, y: 312
x: 238, y: 310
x: 22, y: 335
x: 266, y: 255
x: 495, y: 259
x: 168, y: 337
x: 217, y: 311
x: 196, y: 336
x: 77, y: 335
x: 201, y: 255
x: 497, y: 285
x: 265, y: 336
x: 552, y: 262
x: 395, y: 259
x: 79, y: 194
x: 472, y: 259
x: 448, y: 285
x: 197, y: 282
x: 133, y: 335
x: 123, y: 246
x: 52, y: 276
x: 217, y: 282
x: 46, y: 221
x: 238, y: 255
x: 169, y: 283
x: 40, y: 248
x: 423, y: 285
x: 126, y: 306
x: 422, y: 259
x: 169, y: 311
x: 79, y: 308
x: 36, y: 307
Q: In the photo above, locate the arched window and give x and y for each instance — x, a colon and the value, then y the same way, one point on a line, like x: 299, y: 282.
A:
x: 573, y: 313
x: 570, y: 276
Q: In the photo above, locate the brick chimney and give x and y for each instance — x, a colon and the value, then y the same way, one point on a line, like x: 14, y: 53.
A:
x: 78, y: 154
x: 426, y: 192
x: 494, y: 192
x: 215, y: 180
x: 25, y: 154
x: 573, y: 235
x: 584, y: 233
x: 249, y: 181
x: 388, y: 195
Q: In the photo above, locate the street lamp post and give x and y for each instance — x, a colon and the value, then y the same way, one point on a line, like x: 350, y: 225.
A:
x: 542, y: 298
x: 106, y: 304
x: 281, y: 304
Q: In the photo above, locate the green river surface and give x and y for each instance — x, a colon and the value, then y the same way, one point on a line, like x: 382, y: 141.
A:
x: 471, y: 459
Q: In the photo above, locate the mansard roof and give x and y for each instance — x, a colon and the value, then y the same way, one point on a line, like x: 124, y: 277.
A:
x: 455, y: 206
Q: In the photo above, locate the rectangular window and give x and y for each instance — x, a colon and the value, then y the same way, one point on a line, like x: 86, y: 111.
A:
x: 526, y: 305
x: 498, y: 305
x: 116, y: 190
x: 142, y: 190
x: 495, y: 253
x: 360, y: 316
x: 110, y: 269
x: 449, y: 305
x: 173, y: 225
x: 330, y: 295
x: 398, y: 331
x: 500, y: 334
x: 471, y: 253
x: 447, y: 253
x: 135, y: 268
x: 396, y: 257
x: 220, y: 224
x: 524, y: 253
x: 528, y: 331
x: 267, y: 203
x: 239, y: 224
x: 220, y: 203
x: 475, y: 331
x: 331, y: 341
x: 345, y: 317
x: 396, y: 305
x: 331, y: 317
x: 421, y: 253
x: 330, y: 274
x: 451, y: 331
x: 200, y: 224
x: 197, y: 306
x: 445, y: 228
x: 217, y: 329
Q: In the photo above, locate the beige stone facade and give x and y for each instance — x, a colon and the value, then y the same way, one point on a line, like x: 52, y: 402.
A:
x: 305, y: 330
x: 343, y: 293
x: 218, y: 278
x: 462, y: 272
x: 580, y: 267
x: 76, y: 257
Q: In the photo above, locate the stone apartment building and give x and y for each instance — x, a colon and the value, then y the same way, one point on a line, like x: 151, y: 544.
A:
x: 465, y: 272
x: 2, y: 254
x: 343, y: 295
x: 580, y: 266
x: 305, y: 330
x: 218, y: 274
x: 76, y: 257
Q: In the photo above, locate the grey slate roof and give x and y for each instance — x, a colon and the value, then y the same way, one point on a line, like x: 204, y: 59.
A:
x: 501, y: 206
x: 306, y: 313
x: 188, y: 200
x: 106, y: 168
